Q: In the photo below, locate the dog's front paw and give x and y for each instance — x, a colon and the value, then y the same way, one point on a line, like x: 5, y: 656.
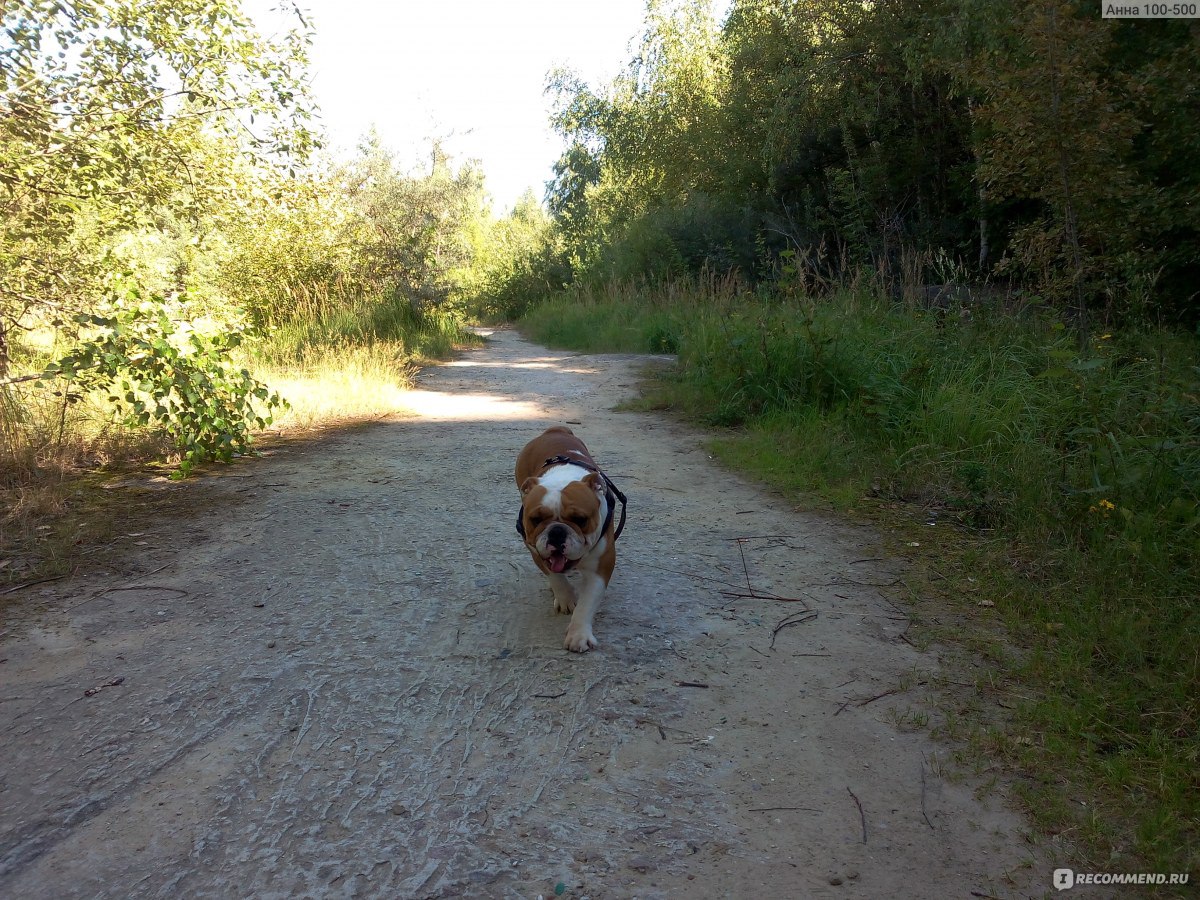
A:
x: 564, y: 594
x: 580, y: 640
x: 565, y: 603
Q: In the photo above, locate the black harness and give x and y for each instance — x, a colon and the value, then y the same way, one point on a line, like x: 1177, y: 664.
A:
x: 612, y: 493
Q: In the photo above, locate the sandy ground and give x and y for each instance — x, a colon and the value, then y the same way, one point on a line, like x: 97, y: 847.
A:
x: 351, y: 682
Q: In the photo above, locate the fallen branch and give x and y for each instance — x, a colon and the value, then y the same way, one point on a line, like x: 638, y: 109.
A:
x: 889, y: 693
x: 661, y: 727
x: 661, y: 731
x: 18, y: 379
x: 874, y: 584
x: 132, y: 587
x: 741, y: 595
x: 898, y: 690
x: 798, y: 619
x: 862, y: 815
x: 92, y: 692
x: 21, y: 587
x: 760, y: 537
x: 745, y: 568
x: 924, y: 814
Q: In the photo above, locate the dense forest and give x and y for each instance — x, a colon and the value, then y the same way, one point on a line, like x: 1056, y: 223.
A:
x: 911, y: 255
x: 1035, y: 146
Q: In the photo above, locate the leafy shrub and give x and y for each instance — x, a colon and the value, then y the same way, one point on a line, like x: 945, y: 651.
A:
x: 701, y: 234
x: 158, y: 371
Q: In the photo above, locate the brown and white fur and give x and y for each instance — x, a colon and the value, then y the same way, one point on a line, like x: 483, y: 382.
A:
x: 564, y: 508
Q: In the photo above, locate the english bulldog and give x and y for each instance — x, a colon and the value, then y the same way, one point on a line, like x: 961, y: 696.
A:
x: 566, y: 521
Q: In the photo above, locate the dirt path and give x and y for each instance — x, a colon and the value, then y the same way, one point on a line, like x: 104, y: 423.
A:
x: 354, y: 686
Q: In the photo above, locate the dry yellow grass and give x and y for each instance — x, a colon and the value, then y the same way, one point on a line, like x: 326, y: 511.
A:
x: 331, y: 385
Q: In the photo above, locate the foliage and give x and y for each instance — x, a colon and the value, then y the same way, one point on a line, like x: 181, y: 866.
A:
x: 409, y: 332
x: 290, y: 253
x: 130, y: 131
x: 353, y: 361
x: 356, y: 232
x: 168, y: 146
x: 517, y: 260
x: 414, y: 230
x: 956, y: 241
x: 1039, y: 144
x: 638, y: 143
x: 103, y: 104
x: 155, y: 371
x: 1054, y: 129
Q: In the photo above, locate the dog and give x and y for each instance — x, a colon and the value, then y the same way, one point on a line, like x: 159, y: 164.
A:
x: 566, y: 521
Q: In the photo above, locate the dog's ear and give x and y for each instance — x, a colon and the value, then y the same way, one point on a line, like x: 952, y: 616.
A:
x: 528, y: 485
x: 596, y: 483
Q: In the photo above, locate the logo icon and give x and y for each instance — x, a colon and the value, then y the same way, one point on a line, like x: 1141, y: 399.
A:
x: 1064, y: 879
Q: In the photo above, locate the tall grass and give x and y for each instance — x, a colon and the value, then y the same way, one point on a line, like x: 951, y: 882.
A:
x: 1074, y: 477
x: 46, y: 442
x: 334, y: 363
x: 419, y: 333
x: 634, y: 317
x: 46, y: 435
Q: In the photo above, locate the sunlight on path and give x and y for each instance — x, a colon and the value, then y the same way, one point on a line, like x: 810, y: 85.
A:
x: 482, y: 404
x: 548, y: 363
x: 468, y: 407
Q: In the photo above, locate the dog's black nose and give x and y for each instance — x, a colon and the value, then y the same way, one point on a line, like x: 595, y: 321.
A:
x: 556, y: 536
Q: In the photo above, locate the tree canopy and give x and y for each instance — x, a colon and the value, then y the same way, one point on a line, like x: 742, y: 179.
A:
x: 1036, y: 143
x: 114, y: 113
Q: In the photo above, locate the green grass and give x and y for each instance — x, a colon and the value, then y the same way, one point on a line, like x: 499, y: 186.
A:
x: 629, y: 318
x: 1070, y: 482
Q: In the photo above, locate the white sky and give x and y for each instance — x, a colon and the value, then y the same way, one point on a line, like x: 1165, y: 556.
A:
x: 469, y: 71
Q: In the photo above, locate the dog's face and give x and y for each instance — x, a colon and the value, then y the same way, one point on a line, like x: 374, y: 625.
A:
x: 563, y: 514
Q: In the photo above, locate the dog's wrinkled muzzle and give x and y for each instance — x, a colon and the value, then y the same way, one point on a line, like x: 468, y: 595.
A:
x: 556, y: 542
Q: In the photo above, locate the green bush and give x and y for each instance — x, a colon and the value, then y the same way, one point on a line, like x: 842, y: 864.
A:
x: 162, y: 372
x: 699, y: 235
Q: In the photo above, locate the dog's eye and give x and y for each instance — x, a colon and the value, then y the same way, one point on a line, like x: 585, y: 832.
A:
x: 581, y: 521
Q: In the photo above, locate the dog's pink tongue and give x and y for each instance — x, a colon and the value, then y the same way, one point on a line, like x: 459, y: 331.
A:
x: 558, y: 562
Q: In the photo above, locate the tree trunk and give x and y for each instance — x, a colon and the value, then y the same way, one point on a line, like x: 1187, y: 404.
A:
x: 981, y: 192
x: 1070, y: 226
